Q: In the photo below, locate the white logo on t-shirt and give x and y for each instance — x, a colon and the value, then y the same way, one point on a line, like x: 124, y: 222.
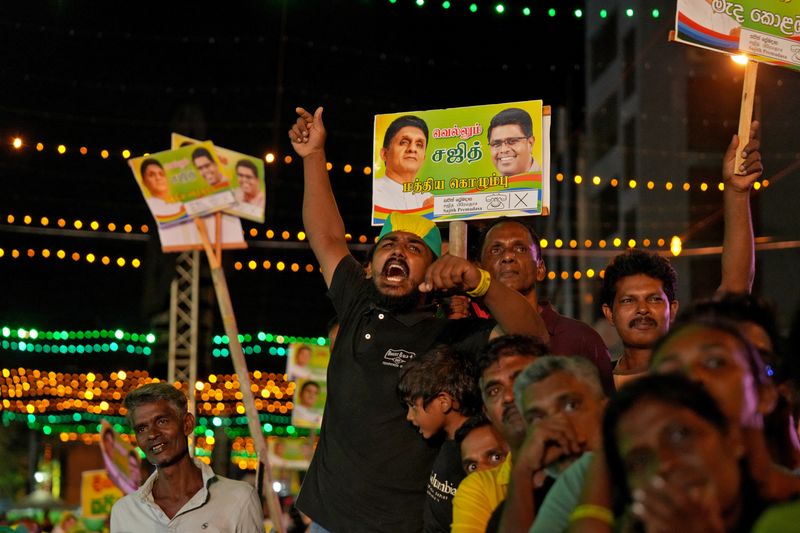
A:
x: 397, y: 358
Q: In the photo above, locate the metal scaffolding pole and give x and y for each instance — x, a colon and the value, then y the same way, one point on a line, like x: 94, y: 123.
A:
x: 183, y: 323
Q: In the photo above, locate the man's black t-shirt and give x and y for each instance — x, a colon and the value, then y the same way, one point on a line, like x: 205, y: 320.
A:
x: 446, y: 474
x: 371, y: 466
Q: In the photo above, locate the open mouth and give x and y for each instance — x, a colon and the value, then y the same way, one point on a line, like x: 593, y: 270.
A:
x: 158, y: 448
x: 395, y: 270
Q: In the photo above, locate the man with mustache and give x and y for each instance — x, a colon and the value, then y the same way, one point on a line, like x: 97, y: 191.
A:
x: 370, y: 467
x: 510, y: 250
x: 639, y: 301
x: 479, y: 495
x: 639, y: 288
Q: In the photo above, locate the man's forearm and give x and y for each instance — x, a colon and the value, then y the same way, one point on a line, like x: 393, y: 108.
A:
x: 513, y: 313
x: 738, y: 248
x: 519, y: 510
x: 321, y: 217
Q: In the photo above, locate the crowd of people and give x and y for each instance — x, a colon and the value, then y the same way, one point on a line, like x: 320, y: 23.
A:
x: 503, y: 415
x: 459, y: 401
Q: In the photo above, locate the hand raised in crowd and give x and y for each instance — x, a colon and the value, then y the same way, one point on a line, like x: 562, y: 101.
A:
x: 451, y: 273
x: 308, y: 132
x: 547, y: 441
x: 741, y: 179
x: 662, y: 504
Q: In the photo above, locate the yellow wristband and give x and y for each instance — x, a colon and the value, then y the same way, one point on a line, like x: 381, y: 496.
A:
x: 597, y: 512
x: 483, y: 285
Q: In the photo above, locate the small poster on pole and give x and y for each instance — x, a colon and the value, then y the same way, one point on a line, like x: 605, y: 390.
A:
x: 182, y: 183
x: 246, y: 176
x: 462, y: 163
x: 767, y: 31
x: 121, y: 460
x: 185, y: 183
x: 307, y: 366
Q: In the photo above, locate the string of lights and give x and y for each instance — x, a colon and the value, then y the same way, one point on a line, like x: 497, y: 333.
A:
x: 72, y: 405
x: 90, y: 258
x: 505, y: 8
x: 347, y: 168
x: 43, y: 398
x: 650, y: 185
x: 117, y: 341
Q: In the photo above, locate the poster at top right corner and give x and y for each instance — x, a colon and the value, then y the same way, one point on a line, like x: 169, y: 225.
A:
x: 765, y: 30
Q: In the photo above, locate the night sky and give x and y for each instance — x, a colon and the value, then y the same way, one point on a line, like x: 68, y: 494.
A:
x: 123, y: 76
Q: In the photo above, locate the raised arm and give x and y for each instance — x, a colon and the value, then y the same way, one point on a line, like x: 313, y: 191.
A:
x: 738, y: 246
x: 321, y: 218
x: 513, y: 313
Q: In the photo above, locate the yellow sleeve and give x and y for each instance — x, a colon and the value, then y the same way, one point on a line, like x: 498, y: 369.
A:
x: 473, y: 505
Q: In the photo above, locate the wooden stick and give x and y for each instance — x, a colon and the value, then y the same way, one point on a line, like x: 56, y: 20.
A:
x: 218, y: 233
x: 746, y: 112
x: 457, y: 243
x: 239, y: 363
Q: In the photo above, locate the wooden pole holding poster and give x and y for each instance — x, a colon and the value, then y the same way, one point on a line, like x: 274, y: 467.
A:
x: 457, y: 239
x: 746, y: 111
x: 240, y: 365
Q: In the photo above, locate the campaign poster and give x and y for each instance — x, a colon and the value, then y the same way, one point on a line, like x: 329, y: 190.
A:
x: 462, y: 163
x: 182, y: 183
x: 290, y: 453
x: 288, y: 457
x: 121, y: 460
x: 765, y: 30
x: 308, y: 403
x: 184, y: 236
x: 98, y: 494
x: 307, y: 361
x: 307, y: 366
x: 246, y: 175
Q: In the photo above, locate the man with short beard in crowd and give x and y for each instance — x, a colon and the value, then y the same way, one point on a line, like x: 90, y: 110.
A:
x: 370, y: 467
x: 479, y: 495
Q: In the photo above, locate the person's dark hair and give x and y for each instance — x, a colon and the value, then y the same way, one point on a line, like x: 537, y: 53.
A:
x: 503, y: 220
x: 635, y: 262
x: 741, y: 308
x: 508, y: 345
x: 670, y: 389
x: 148, y: 162
x: 402, y: 122
x: 512, y: 116
x: 246, y: 163
x: 201, y: 152
x: 154, y: 392
x: 473, y: 422
x: 307, y: 384
x: 754, y: 361
x: 442, y: 369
